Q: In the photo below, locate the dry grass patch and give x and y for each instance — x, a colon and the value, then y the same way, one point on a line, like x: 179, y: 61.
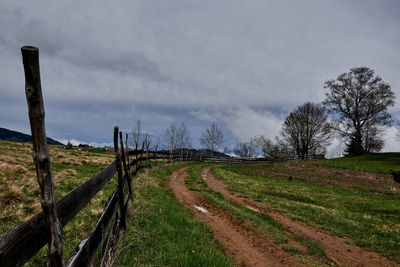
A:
x: 12, y: 193
x: 19, y: 189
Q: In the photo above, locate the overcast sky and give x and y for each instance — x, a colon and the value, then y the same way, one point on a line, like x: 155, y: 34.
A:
x: 243, y: 64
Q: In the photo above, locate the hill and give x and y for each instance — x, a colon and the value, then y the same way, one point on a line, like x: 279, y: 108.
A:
x: 9, y: 135
x: 373, y: 162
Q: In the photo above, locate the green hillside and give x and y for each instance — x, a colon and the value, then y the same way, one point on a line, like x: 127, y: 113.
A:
x: 374, y: 162
x: 9, y: 135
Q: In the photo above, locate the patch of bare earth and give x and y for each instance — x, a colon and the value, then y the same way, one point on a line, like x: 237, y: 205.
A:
x: 246, y: 246
x: 337, y: 249
x: 348, y: 179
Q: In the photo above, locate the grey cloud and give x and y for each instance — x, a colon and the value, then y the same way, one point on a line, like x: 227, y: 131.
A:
x: 41, y: 34
x: 106, y: 63
x: 123, y: 62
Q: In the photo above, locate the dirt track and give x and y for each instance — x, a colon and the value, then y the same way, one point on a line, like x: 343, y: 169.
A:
x: 246, y: 246
x: 336, y: 248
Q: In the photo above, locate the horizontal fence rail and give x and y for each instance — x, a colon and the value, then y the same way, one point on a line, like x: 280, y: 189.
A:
x: 253, y: 160
x: 20, y: 244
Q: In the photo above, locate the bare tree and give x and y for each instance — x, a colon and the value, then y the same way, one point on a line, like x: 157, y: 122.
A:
x: 212, y: 138
x: 171, y: 138
x: 272, y: 149
x: 183, y: 138
x: 264, y: 145
x: 246, y: 149
x: 147, y: 143
x: 136, y: 132
x: 306, y: 130
x: 359, y: 99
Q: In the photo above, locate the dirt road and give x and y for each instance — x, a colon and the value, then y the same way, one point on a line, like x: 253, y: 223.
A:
x: 246, y: 246
x: 337, y: 249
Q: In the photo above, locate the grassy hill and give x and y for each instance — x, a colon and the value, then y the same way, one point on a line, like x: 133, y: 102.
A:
x: 374, y: 162
x: 9, y: 135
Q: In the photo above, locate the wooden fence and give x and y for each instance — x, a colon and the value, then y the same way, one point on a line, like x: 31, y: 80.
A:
x: 20, y: 244
x: 253, y: 160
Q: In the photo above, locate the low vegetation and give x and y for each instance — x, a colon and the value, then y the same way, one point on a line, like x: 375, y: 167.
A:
x: 19, y: 197
x: 161, y: 232
x: 354, y: 198
x: 374, y: 162
x: 312, y: 254
x: 368, y: 219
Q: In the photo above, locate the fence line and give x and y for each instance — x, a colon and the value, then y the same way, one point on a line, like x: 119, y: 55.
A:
x: 23, y: 242
x: 254, y: 160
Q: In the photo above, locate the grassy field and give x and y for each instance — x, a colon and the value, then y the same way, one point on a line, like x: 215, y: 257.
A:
x: 367, y: 219
x: 379, y: 163
x: 307, y: 251
x: 19, y: 197
x: 161, y: 232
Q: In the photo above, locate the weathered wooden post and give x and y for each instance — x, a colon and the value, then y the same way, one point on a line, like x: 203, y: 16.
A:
x: 120, y: 179
x: 141, y: 155
x: 127, y: 155
x: 128, y: 176
x: 147, y: 145
x: 41, y: 156
x: 137, y: 158
x: 155, y: 156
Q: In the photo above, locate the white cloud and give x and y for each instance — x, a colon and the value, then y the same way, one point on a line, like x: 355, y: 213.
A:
x: 77, y: 142
x: 392, y: 142
x: 244, y: 122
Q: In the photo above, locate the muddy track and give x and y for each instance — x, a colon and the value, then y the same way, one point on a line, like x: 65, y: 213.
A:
x: 336, y: 248
x: 246, y: 247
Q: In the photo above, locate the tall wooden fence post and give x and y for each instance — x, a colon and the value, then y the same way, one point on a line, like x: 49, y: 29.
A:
x: 120, y: 179
x: 127, y: 155
x: 41, y: 156
x: 141, y: 156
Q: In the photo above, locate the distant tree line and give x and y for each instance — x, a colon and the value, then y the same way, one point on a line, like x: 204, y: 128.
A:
x: 358, y: 103
x: 177, y: 139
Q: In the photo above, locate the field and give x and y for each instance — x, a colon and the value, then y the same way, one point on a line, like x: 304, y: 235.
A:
x: 19, y: 189
x: 365, y: 215
x: 340, y: 212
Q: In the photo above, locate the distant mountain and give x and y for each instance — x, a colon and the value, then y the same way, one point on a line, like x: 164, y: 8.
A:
x: 10, y: 135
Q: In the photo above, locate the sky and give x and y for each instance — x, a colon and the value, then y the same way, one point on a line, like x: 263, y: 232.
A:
x: 242, y: 64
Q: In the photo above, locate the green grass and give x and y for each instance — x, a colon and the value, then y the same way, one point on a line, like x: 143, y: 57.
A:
x: 267, y: 226
x: 292, y: 249
x: 366, y: 219
x: 380, y: 163
x: 161, y: 232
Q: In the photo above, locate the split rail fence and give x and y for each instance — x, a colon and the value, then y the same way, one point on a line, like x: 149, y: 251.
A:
x: 22, y: 243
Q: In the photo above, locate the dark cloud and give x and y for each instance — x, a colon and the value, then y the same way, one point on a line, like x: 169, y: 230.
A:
x: 244, y: 64
x: 126, y: 63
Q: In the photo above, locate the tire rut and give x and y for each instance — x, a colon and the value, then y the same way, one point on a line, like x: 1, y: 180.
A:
x: 246, y: 246
x: 336, y: 248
